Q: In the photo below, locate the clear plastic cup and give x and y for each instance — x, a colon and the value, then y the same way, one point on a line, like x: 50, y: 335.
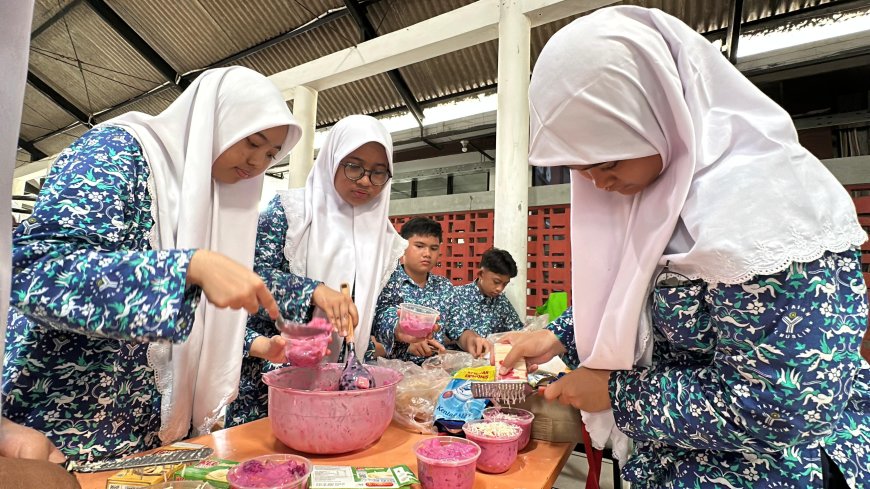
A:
x: 270, y: 472
x: 497, y: 453
x: 515, y: 416
x: 416, y: 320
x: 446, y: 462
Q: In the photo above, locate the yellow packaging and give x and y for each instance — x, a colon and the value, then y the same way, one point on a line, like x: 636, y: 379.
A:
x: 142, y: 476
x: 147, y: 476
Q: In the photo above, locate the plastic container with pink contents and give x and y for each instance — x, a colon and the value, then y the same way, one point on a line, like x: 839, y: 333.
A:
x: 278, y: 471
x: 416, y: 320
x: 497, y: 441
x: 446, y: 462
x: 308, y: 351
x: 515, y: 416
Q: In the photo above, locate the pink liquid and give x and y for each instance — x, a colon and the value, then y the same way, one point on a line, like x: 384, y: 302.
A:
x: 267, y: 474
x: 446, y: 465
x: 517, y: 417
x: 309, y: 351
x: 496, y: 454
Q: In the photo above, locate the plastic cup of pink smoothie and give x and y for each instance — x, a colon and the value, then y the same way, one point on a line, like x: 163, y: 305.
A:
x: 497, y: 453
x: 270, y: 472
x: 446, y: 462
x: 416, y: 320
x: 514, y: 416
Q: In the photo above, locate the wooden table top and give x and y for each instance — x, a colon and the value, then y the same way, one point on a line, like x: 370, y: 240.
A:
x: 537, y: 466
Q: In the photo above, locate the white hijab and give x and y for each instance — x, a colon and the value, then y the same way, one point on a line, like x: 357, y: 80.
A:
x: 743, y: 196
x: 330, y: 240
x: 198, y: 377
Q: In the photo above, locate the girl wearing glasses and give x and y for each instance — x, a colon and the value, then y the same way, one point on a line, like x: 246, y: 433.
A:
x: 311, y: 240
x: 718, y: 301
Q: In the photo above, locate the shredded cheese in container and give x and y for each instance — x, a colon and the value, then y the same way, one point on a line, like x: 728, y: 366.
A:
x: 493, y: 429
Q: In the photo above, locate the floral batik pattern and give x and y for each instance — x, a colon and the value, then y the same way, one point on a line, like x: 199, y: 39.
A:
x: 88, y: 292
x: 749, y: 382
x: 481, y: 314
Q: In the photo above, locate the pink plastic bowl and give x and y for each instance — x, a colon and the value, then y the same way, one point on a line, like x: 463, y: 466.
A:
x: 309, y: 414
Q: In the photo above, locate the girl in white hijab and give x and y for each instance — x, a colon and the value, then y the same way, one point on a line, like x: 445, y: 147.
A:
x: 137, y: 220
x: 741, y: 369
x: 311, y: 240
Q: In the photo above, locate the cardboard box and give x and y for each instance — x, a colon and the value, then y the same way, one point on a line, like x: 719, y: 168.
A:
x: 554, y: 421
x: 345, y: 477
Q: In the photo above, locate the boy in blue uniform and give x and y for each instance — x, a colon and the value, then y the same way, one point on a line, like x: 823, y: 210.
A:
x: 484, y: 310
x: 413, y: 282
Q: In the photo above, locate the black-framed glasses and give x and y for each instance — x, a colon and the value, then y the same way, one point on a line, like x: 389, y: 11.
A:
x: 355, y: 172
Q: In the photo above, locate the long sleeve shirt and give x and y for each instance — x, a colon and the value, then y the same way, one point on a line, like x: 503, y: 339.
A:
x: 88, y: 291
x: 437, y: 293
x: 481, y: 314
x: 750, y: 381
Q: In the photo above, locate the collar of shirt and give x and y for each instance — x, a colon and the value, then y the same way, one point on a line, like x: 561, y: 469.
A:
x: 478, y: 295
x: 403, y: 275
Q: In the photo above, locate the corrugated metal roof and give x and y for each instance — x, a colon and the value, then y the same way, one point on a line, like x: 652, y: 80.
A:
x: 192, y: 35
x: 85, y: 60
x: 60, y: 141
x: 40, y: 115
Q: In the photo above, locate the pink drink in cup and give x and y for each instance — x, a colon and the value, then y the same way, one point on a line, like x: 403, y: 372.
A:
x: 519, y: 417
x: 279, y: 471
x: 497, y: 441
x: 416, y: 320
x: 446, y: 462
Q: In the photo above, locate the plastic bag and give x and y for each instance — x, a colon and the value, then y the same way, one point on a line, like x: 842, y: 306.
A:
x: 453, y: 361
x: 416, y: 395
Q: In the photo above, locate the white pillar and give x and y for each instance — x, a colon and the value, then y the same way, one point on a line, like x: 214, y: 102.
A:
x: 302, y: 156
x: 512, y: 144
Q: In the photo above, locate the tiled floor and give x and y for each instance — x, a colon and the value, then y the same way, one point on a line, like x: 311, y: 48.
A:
x: 573, y: 476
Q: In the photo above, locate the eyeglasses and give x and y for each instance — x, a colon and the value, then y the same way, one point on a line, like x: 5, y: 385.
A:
x: 355, y: 172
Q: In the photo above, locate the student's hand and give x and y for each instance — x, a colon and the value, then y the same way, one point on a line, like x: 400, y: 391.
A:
x: 339, y: 308
x: 271, y: 349
x: 380, y: 351
x: 535, y: 347
x: 474, y: 343
x: 228, y: 284
x: 17, y: 441
x: 585, y: 389
x: 426, y: 348
x: 406, y: 338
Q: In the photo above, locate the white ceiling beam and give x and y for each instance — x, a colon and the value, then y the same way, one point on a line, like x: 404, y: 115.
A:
x: 458, y: 29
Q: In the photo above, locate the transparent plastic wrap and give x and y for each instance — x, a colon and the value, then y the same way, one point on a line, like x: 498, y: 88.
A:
x: 533, y: 323
x: 416, y: 395
x: 453, y: 361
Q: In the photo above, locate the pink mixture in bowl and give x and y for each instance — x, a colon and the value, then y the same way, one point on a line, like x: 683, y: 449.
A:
x: 309, y: 414
x: 280, y: 471
x: 514, y: 416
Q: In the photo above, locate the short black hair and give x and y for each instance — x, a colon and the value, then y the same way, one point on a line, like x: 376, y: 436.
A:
x: 499, y: 261
x: 422, y: 226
